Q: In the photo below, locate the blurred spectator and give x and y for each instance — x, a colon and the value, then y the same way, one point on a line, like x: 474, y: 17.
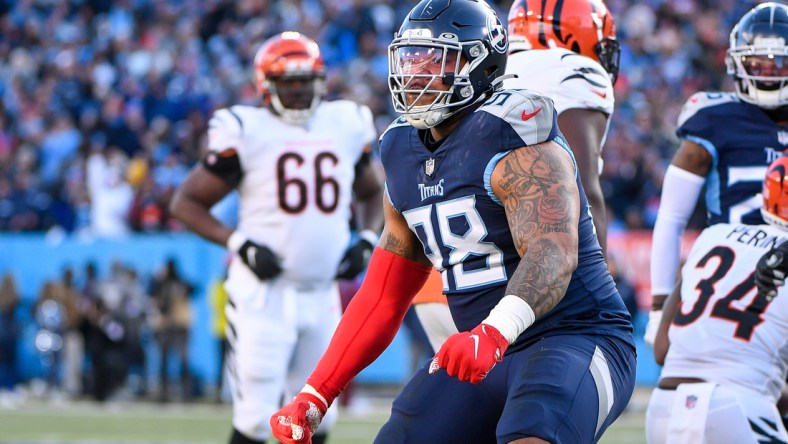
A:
x: 49, y: 313
x: 104, y: 330
x: 9, y: 332
x: 135, y: 307
x: 58, y: 146
x: 73, y: 341
x: 104, y: 337
x: 172, y: 296
x: 110, y: 195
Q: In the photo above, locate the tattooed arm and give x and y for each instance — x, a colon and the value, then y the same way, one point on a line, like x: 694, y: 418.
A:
x: 537, y: 187
x: 397, y: 237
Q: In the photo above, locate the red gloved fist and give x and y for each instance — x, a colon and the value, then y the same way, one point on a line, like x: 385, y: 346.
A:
x: 469, y: 356
x: 296, y: 422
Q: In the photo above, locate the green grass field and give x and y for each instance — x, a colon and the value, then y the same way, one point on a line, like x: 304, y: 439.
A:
x: 84, y: 422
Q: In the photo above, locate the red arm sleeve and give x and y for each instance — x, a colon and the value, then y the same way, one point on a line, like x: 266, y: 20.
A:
x: 370, y: 322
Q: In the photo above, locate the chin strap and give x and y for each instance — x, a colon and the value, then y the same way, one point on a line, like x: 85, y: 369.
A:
x: 501, y: 79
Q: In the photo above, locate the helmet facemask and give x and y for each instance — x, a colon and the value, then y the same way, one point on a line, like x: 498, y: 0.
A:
x: 760, y: 71
x: 431, y: 78
x: 608, y: 53
x: 289, y: 74
x: 290, y: 114
x: 760, y: 74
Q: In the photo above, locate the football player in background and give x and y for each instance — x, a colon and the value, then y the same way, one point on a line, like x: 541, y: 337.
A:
x: 727, y: 141
x: 723, y: 344
x: 568, y: 52
x: 297, y: 162
x: 481, y: 185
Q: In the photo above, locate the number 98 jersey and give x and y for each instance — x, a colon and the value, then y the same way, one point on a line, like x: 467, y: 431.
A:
x: 446, y: 198
x: 296, y: 182
x: 724, y: 332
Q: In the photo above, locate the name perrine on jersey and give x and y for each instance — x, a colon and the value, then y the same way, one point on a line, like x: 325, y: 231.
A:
x: 295, y: 179
x: 742, y: 140
x: 724, y: 332
x: 447, y: 200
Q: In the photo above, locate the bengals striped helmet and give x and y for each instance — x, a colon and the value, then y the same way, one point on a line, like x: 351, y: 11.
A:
x: 583, y: 26
x: 775, y: 194
x: 286, y: 56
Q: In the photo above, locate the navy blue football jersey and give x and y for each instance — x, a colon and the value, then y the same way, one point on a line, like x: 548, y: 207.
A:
x: 447, y: 200
x: 743, y: 140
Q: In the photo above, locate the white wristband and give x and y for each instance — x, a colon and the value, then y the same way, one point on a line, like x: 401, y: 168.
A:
x: 369, y: 236
x: 236, y: 241
x: 511, y: 317
x: 313, y: 391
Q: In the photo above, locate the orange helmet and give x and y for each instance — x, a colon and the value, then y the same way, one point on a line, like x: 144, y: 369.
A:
x: 775, y: 194
x: 583, y: 26
x: 289, y: 55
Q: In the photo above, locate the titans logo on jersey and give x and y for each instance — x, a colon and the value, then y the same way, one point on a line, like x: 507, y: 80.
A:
x: 742, y: 139
x: 446, y: 197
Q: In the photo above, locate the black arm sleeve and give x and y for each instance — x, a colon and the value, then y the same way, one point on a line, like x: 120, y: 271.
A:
x: 226, y: 165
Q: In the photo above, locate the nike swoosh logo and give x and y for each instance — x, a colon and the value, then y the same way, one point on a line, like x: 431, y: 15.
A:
x: 476, y: 344
x: 602, y: 94
x: 527, y: 116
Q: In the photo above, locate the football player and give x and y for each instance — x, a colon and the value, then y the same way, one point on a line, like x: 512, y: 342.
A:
x: 723, y: 344
x: 482, y: 186
x: 297, y: 162
x: 727, y: 141
x: 567, y: 51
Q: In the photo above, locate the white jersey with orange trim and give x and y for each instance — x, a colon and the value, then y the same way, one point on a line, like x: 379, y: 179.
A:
x: 571, y: 80
x: 296, y: 186
x: 724, y: 332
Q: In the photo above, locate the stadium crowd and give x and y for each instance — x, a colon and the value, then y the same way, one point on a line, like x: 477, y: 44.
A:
x: 92, y: 333
x: 104, y: 104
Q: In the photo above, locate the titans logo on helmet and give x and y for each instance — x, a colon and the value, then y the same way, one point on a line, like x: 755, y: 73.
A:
x: 497, y: 34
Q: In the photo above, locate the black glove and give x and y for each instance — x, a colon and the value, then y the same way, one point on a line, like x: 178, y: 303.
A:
x: 357, y: 256
x: 259, y: 258
x: 771, y: 270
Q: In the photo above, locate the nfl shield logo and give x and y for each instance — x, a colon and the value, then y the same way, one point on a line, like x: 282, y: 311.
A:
x: 691, y: 401
x: 782, y: 137
x: 429, y: 166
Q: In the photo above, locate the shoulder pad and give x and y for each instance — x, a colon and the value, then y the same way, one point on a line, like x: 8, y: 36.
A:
x: 356, y: 118
x: 399, y: 121
x: 225, y: 129
x: 702, y: 100
x: 530, y: 114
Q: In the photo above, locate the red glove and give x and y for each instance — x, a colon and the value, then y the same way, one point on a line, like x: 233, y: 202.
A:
x: 296, y: 422
x: 469, y: 356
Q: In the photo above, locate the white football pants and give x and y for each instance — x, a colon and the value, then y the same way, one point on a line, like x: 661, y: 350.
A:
x: 276, y: 332
x: 712, y: 414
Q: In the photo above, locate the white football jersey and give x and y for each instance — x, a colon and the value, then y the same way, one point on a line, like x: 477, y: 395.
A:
x: 570, y: 79
x: 723, y: 332
x: 296, y: 188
